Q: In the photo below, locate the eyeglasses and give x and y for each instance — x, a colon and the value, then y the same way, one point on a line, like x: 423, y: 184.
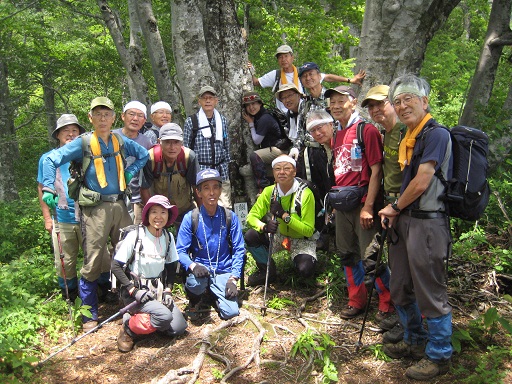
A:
x: 289, y: 96
x: 376, y: 104
x: 283, y: 169
x: 407, y: 100
x: 250, y: 98
x: 105, y: 115
x: 133, y: 114
x: 162, y: 112
x: 208, y: 98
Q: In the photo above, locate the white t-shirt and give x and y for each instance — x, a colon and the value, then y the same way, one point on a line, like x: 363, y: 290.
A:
x: 152, y: 257
x: 268, y: 80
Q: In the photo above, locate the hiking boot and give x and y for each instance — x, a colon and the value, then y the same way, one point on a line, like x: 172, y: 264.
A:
x: 124, y: 341
x: 402, y: 349
x: 350, y: 312
x: 394, y: 335
x: 389, y: 322
x: 73, y: 294
x: 86, y: 327
x: 258, y: 277
x: 381, y: 316
x: 427, y: 369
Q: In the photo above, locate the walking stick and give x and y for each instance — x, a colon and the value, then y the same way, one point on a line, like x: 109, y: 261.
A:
x: 377, y: 265
x: 270, y: 247
x: 122, y: 311
x: 61, y: 256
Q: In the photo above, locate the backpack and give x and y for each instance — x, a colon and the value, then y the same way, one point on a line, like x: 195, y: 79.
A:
x: 275, y: 87
x: 284, y: 143
x: 77, y: 169
x: 181, y: 161
x: 195, y: 223
x: 467, y: 193
x: 195, y: 128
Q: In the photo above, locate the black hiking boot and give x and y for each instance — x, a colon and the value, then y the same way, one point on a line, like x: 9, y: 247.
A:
x: 258, y: 277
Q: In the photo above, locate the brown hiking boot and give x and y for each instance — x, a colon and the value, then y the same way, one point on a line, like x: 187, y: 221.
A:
x: 124, y: 341
x: 350, y: 312
x: 389, y: 322
x: 427, y: 369
x: 381, y: 316
x: 402, y: 349
x: 86, y: 327
x: 394, y: 335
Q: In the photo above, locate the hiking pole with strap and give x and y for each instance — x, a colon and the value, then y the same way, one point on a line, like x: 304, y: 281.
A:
x: 270, y: 247
x: 61, y: 256
x: 384, y: 234
x: 122, y: 311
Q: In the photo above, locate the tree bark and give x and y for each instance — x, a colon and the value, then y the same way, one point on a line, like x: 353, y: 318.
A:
x: 130, y: 58
x: 210, y: 50
x: 157, y: 57
x: 9, y: 153
x: 395, y: 35
x: 49, y: 103
x: 498, y: 35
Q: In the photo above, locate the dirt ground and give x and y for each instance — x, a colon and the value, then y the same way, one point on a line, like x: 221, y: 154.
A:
x: 95, y: 358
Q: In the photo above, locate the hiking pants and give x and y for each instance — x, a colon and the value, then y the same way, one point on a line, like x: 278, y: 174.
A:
x: 154, y: 316
x: 70, y: 239
x: 259, y: 161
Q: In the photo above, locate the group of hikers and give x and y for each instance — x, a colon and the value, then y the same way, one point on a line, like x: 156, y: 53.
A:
x: 328, y: 160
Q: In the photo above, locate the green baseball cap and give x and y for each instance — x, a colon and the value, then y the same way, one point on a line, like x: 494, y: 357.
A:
x: 102, y: 101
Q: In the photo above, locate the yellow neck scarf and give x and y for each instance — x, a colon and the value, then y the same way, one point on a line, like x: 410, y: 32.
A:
x: 98, y: 162
x: 284, y: 80
x: 409, y: 141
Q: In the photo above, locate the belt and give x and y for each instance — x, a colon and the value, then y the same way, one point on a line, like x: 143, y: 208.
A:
x: 392, y: 194
x: 423, y: 214
x: 111, y: 198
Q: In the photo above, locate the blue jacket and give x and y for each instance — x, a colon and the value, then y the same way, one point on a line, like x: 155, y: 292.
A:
x: 218, y: 260
x: 73, y: 151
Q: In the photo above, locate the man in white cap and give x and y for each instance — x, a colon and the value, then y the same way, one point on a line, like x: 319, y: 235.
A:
x: 292, y: 205
x: 134, y: 117
x: 67, y: 218
x: 206, y: 133
x: 288, y: 74
x: 101, y: 196
x: 171, y: 171
x: 161, y: 113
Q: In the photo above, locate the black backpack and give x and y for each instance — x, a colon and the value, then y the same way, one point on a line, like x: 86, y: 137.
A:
x: 195, y: 223
x: 467, y: 193
x: 284, y: 143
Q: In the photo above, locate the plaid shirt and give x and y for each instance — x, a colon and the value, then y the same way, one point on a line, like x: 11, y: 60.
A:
x: 306, y: 106
x: 202, y: 147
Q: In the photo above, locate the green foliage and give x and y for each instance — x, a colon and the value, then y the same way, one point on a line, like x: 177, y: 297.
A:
x: 280, y: 303
x: 334, y: 279
x: 320, y: 346
x: 217, y: 374
x: 378, y: 353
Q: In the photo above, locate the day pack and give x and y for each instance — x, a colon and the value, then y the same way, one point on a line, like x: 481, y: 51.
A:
x: 467, y: 193
x: 158, y: 161
x: 77, y: 169
x: 284, y: 143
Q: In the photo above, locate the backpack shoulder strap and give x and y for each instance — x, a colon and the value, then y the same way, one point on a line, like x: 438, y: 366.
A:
x: 182, y: 160
x: 137, y: 247
x: 86, y: 151
x: 359, y: 133
x: 195, y: 128
x: 158, y: 163
x: 276, y: 81
x: 298, y: 196
x: 195, y: 220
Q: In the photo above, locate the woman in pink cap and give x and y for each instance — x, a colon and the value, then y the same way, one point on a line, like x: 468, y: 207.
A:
x: 145, y: 265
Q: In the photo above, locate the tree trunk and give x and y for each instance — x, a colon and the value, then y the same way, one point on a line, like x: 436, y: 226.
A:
x: 209, y: 49
x: 9, y: 153
x: 157, y: 57
x: 49, y: 104
x: 498, y: 35
x: 130, y: 58
x: 394, y: 37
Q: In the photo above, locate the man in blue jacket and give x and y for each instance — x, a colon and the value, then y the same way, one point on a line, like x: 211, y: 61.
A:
x: 212, y: 254
x: 103, y: 210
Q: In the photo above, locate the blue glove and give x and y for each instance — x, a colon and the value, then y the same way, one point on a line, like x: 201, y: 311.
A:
x: 128, y: 177
x: 50, y: 199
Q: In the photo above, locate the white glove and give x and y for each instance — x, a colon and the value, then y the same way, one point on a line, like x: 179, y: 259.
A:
x: 294, y: 153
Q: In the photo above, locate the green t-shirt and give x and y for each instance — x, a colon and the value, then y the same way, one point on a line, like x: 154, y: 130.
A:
x: 391, y: 168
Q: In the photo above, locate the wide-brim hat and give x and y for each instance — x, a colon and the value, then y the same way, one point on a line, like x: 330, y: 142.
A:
x: 66, y: 119
x: 251, y: 97
x: 287, y: 87
x: 164, y: 202
x: 378, y: 93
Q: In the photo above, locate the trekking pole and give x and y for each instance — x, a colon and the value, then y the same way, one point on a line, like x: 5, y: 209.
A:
x: 270, y: 247
x: 377, y: 265
x: 122, y: 311
x: 61, y: 256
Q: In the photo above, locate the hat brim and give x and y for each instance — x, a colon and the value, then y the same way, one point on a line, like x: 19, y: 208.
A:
x: 179, y: 138
x: 376, y: 98
x: 219, y: 179
x: 56, y: 131
x: 172, y: 209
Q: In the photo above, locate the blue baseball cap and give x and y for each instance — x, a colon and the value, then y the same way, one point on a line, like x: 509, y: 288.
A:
x: 206, y: 175
x: 308, y: 67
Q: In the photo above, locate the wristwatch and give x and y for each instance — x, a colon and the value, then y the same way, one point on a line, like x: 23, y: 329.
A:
x: 395, y: 206
x: 287, y: 218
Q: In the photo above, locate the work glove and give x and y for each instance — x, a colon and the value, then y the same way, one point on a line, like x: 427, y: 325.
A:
x: 128, y: 177
x: 271, y: 226
x: 50, y: 199
x: 277, y: 209
x: 294, y: 153
x: 231, y: 290
x: 200, y: 270
x: 167, y: 299
x: 143, y: 295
